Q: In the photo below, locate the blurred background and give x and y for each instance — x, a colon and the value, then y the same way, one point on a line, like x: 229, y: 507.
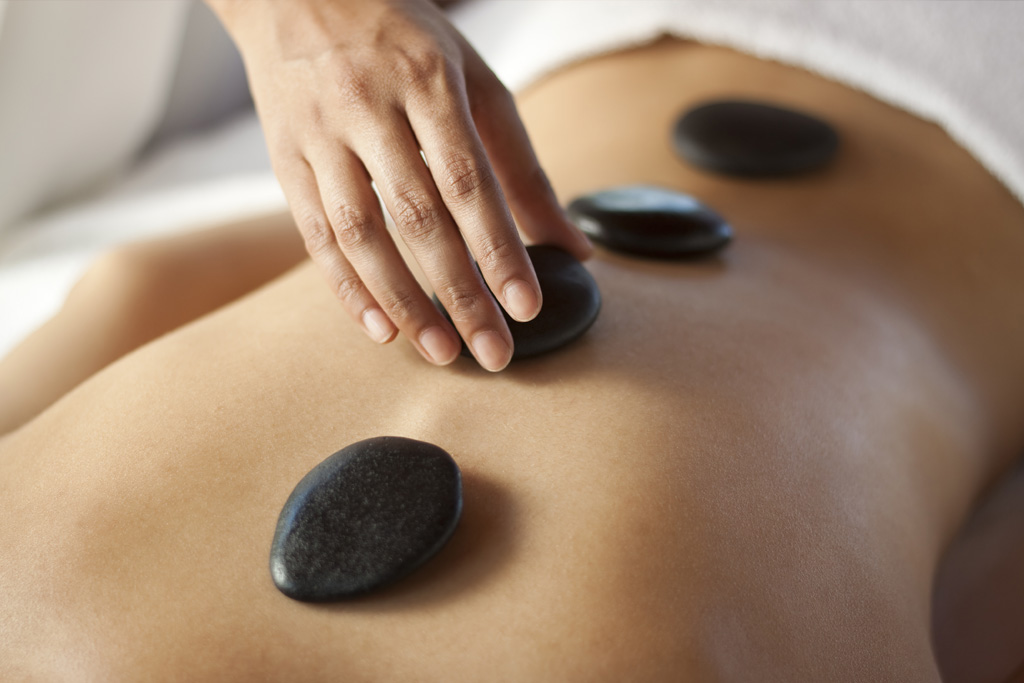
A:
x: 118, y: 121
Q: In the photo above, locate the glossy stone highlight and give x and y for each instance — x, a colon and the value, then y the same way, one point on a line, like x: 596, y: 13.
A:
x: 747, y: 138
x: 365, y: 517
x: 650, y: 221
x: 571, y: 304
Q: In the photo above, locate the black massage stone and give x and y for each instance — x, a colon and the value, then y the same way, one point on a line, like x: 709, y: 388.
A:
x: 571, y: 304
x: 365, y: 517
x: 744, y: 138
x: 650, y: 221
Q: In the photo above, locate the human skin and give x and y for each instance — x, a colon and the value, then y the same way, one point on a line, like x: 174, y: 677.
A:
x: 748, y: 469
x: 350, y: 91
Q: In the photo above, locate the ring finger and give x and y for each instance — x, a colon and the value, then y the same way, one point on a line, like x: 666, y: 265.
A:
x: 430, y: 233
x: 300, y: 188
x: 361, y: 236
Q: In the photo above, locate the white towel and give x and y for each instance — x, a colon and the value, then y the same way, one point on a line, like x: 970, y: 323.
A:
x: 957, y: 63
x: 82, y: 85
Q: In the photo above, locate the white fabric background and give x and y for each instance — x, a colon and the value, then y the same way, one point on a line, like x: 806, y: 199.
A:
x: 959, y: 63
x: 82, y: 84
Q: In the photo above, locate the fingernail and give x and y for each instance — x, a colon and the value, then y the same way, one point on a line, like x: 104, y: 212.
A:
x: 438, y: 345
x: 491, y: 350
x: 378, y: 326
x: 523, y: 301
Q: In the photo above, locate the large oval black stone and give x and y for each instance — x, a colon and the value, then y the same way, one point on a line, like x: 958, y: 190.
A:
x: 366, y: 516
x: 650, y: 221
x: 745, y: 138
x: 571, y: 304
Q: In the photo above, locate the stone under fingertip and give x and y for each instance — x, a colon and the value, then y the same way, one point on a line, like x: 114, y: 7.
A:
x: 572, y: 302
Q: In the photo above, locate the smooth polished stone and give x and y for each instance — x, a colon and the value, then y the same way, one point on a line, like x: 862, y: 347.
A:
x: 365, y: 517
x: 746, y: 138
x: 650, y: 221
x: 571, y: 304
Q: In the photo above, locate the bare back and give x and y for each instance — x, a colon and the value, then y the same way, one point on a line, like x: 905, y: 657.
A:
x: 748, y: 464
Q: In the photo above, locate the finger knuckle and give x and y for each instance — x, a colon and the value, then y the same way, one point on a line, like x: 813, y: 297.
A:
x: 354, y: 228
x: 355, y: 88
x: 348, y: 288
x: 494, y: 253
x: 461, y: 301
x: 399, y: 305
x: 464, y: 178
x: 317, y: 234
x: 422, y: 63
x: 416, y: 215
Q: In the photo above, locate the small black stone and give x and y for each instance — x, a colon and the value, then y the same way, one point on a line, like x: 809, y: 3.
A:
x: 744, y: 138
x: 650, y: 221
x: 365, y: 517
x: 571, y: 304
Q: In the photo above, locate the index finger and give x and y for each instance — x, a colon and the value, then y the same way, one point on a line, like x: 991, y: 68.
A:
x: 470, y: 190
x: 530, y: 195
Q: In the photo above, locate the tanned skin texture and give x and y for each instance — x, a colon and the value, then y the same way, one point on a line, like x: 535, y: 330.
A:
x: 752, y: 467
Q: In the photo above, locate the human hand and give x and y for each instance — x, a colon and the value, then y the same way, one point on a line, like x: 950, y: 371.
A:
x: 350, y: 91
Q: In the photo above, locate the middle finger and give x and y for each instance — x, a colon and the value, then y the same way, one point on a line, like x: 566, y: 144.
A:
x: 474, y: 198
x: 428, y: 230
x: 359, y: 228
